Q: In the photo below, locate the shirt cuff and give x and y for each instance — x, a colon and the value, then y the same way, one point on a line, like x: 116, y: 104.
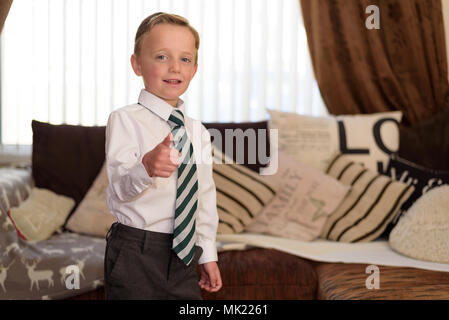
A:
x: 140, y: 174
x: 209, y: 252
x: 134, y: 182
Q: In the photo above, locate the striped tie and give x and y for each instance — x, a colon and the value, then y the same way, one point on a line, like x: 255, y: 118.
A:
x: 186, y: 191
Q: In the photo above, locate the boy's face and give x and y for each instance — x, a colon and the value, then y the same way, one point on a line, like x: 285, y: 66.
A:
x: 166, y: 61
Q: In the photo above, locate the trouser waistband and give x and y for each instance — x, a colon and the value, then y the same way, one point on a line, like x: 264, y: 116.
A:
x: 139, y: 235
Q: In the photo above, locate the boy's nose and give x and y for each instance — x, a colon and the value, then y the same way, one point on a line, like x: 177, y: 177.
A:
x: 174, y: 66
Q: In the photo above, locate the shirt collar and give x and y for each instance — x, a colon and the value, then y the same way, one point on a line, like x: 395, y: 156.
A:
x: 158, y: 105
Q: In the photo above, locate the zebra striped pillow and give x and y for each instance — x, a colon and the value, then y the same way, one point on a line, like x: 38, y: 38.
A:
x: 370, y: 205
x: 241, y: 193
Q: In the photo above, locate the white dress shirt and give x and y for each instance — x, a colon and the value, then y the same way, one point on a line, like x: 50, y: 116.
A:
x: 145, y: 202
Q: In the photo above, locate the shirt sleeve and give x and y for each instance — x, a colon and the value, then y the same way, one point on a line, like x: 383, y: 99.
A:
x: 126, y: 173
x: 207, y: 218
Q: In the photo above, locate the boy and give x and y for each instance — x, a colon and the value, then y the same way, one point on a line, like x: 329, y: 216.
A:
x: 160, y: 189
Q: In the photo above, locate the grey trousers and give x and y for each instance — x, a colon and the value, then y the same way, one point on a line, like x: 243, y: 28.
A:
x: 140, y: 264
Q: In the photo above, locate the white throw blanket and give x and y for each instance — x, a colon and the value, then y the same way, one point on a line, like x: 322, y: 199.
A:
x: 376, y: 252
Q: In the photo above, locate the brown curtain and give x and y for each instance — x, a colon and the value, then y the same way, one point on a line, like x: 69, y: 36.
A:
x: 4, y: 9
x: 401, y: 66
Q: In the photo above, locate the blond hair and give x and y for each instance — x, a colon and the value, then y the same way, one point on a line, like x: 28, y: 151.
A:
x: 159, y: 18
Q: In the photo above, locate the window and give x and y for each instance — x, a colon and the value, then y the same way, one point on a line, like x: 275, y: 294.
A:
x: 68, y: 61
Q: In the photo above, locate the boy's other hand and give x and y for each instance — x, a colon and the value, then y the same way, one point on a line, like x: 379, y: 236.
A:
x: 162, y: 160
x: 210, y: 277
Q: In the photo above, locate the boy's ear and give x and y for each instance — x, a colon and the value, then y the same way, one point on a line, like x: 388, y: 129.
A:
x: 136, y: 65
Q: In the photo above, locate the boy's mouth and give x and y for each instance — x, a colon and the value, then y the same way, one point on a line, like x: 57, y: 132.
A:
x: 172, y: 81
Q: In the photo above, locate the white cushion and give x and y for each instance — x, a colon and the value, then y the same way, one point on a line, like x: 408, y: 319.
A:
x: 41, y: 214
x: 423, y: 232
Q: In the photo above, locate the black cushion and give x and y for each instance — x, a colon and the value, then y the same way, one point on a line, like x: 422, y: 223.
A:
x: 66, y: 158
x: 422, y: 178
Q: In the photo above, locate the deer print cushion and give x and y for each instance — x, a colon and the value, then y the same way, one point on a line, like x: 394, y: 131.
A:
x: 62, y: 266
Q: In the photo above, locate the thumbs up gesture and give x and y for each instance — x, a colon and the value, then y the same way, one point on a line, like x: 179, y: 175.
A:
x: 162, y: 160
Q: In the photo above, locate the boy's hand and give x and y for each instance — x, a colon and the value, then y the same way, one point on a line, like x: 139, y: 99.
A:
x: 162, y: 160
x: 210, y: 277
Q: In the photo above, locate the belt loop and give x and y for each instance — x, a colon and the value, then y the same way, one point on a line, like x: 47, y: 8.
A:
x: 110, y: 230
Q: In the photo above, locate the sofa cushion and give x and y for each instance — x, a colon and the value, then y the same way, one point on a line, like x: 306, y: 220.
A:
x: 365, y: 138
x: 41, y: 214
x: 423, y: 179
x: 342, y: 281
x: 302, y: 204
x: 66, y: 159
x: 427, y: 143
x: 370, y: 205
x: 423, y: 232
x: 267, y: 274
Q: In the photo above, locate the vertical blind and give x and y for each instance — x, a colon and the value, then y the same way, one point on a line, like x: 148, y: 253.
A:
x: 68, y: 61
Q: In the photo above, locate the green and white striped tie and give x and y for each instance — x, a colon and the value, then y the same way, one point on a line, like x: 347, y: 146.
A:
x: 186, y: 191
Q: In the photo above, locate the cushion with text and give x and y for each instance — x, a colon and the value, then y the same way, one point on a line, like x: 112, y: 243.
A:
x: 368, y: 139
x: 306, y: 198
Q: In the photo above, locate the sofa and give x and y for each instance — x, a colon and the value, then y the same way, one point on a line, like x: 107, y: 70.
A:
x: 66, y: 159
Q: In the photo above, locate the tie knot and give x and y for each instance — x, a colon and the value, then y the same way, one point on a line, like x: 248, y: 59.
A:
x: 176, y: 118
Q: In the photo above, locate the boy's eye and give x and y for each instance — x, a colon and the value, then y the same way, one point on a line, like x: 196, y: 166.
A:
x: 161, y: 57
x: 185, y: 59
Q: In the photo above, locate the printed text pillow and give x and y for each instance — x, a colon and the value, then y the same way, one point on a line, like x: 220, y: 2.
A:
x: 306, y: 198
x: 368, y: 139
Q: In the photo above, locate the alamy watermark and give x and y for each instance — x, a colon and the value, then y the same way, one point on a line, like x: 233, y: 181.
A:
x: 72, y: 277
x: 373, y: 281
x: 239, y: 146
x: 373, y: 20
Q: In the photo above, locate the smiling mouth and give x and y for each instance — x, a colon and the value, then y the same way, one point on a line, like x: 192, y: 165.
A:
x: 172, y: 81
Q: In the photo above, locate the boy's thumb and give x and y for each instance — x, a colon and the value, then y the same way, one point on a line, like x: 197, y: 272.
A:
x: 167, y: 140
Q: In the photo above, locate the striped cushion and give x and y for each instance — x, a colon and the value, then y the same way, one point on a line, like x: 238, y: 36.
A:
x: 241, y: 193
x: 368, y: 208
